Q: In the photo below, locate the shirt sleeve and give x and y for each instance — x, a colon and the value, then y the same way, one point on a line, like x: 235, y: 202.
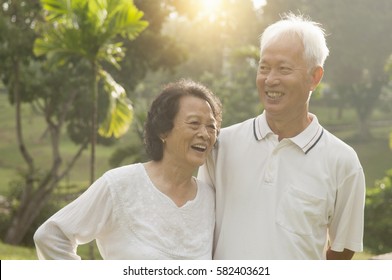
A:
x: 77, y: 223
x: 347, y: 225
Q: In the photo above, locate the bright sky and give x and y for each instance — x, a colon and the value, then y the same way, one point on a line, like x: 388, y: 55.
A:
x: 211, y: 5
x: 208, y: 8
x: 258, y: 3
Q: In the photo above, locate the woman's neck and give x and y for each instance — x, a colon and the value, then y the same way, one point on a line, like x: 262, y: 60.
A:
x: 172, y: 180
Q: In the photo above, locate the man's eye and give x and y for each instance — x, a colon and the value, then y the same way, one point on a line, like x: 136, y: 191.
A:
x: 264, y: 69
x: 285, y: 70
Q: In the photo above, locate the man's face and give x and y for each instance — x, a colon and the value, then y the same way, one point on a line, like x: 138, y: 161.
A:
x: 283, y: 80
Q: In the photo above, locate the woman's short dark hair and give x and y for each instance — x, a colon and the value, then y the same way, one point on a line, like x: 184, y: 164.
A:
x: 165, y: 107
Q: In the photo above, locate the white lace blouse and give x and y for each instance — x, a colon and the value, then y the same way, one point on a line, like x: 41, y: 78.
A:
x: 130, y: 219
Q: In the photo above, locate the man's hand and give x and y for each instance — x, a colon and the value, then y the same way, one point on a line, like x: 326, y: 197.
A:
x: 345, y: 255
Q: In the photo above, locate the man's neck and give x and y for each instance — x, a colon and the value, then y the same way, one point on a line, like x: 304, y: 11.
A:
x: 288, y: 127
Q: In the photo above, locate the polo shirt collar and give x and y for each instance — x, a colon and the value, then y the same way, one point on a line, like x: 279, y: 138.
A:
x: 306, y: 140
x: 260, y: 127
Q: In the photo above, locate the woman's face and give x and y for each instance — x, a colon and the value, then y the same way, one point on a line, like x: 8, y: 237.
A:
x: 193, y: 135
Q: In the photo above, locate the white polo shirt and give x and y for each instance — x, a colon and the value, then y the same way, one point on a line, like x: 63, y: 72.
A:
x: 279, y: 199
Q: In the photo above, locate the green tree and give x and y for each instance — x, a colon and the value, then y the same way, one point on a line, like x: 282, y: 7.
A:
x: 16, y: 40
x: 378, y: 223
x: 39, y: 179
x: 153, y: 50
x: 27, y: 80
x: 89, y: 29
x: 359, y: 50
x: 378, y: 211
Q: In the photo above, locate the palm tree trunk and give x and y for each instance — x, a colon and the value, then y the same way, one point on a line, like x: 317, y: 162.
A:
x: 94, y: 122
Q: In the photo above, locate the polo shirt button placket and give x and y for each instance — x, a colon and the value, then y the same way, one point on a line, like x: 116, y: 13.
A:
x: 268, y: 178
x: 271, y: 167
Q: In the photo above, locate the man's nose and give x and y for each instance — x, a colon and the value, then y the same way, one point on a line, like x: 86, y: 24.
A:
x: 272, y: 78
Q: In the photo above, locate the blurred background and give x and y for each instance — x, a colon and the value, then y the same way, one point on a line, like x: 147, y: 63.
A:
x: 75, y: 88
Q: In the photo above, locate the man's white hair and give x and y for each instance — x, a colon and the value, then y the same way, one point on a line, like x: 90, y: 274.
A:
x: 311, y: 34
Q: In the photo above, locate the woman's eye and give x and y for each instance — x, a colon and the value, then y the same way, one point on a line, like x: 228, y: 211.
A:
x: 194, y: 124
x: 212, y: 127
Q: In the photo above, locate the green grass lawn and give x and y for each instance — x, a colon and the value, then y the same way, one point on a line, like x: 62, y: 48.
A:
x: 376, y: 158
x: 8, y: 252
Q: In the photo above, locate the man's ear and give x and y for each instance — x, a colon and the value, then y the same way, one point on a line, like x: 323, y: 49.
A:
x: 317, y: 75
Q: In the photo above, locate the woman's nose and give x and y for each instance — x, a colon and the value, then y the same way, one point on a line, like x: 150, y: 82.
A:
x: 204, y: 132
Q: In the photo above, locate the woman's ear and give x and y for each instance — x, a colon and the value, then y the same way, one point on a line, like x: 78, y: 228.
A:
x: 163, y: 137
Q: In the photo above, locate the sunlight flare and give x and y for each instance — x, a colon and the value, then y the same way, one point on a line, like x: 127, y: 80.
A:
x: 209, y: 8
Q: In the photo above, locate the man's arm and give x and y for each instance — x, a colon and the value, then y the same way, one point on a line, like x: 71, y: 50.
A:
x: 345, y: 255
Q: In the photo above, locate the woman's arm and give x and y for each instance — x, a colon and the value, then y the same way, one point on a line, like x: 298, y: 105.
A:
x: 77, y: 223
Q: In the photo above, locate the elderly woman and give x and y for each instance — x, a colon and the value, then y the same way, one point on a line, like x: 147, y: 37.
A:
x: 151, y: 210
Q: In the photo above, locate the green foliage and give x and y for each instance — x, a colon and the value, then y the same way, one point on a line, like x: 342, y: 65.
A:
x: 153, y: 50
x: 89, y: 30
x: 378, y: 213
x: 17, y: 21
x: 86, y: 28
x: 131, y: 153
x: 388, y: 66
x: 390, y: 140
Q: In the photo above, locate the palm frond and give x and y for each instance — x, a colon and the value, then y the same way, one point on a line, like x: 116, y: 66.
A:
x: 120, y: 111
